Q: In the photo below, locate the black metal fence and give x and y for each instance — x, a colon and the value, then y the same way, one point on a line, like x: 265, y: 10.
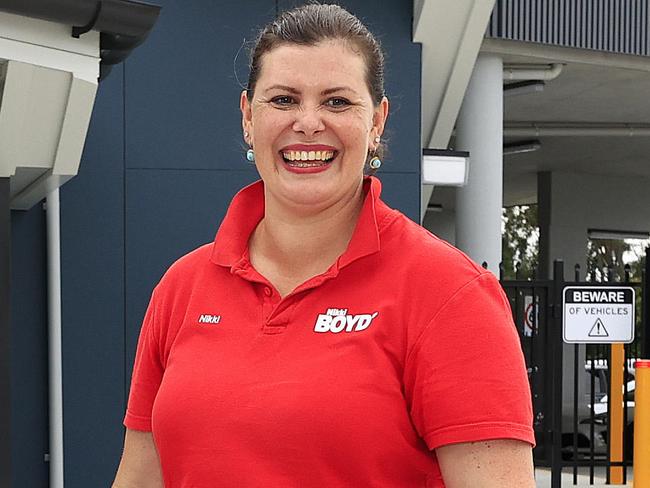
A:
x: 572, y: 430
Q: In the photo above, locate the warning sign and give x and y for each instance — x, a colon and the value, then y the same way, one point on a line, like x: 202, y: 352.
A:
x: 600, y: 315
x: 598, y: 330
x: 531, y: 315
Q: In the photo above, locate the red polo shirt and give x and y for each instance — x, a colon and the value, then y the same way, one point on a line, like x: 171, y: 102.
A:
x: 401, y: 346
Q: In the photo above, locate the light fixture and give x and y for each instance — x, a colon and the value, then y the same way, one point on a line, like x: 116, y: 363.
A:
x: 523, y: 87
x: 521, y: 147
x: 444, y: 167
x: 617, y: 234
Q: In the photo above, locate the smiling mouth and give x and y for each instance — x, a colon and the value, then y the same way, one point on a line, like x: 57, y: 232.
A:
x: 308, y: 159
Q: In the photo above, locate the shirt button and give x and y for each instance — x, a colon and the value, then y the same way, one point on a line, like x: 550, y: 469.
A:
x: 267, y: 291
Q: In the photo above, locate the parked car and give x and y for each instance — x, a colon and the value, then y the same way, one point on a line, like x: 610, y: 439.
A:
x: 584, y: 435
x: 600, y: 418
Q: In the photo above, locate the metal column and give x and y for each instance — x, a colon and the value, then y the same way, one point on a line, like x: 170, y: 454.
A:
x: 479, y: 130
x: 5, y: 349
x: 556, y: 348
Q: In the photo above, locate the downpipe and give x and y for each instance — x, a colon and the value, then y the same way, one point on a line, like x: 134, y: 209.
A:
x: 55, y: 380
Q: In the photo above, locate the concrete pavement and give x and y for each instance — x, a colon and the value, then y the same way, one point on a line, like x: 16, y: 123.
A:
x: 543, y: 478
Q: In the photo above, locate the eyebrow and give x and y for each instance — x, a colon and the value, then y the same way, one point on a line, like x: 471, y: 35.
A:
x: 327, y: 91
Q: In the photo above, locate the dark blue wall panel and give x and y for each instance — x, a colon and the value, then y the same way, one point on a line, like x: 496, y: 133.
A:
x: 399, y: 190
x: 92, y: 260
x: 29, y: 400
x: 182, y: 91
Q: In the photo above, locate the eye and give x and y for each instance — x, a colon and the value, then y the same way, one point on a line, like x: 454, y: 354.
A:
x: 337, y: 102
x: 283, y: 100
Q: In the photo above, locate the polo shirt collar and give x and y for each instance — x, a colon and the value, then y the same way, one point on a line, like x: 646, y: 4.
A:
x: 230, y: 247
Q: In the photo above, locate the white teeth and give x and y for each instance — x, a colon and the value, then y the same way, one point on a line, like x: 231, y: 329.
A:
x: 308, y: 155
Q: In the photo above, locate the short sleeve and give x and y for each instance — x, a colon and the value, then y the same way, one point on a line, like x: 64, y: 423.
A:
x: 147, y: 374
x: 465, y: 378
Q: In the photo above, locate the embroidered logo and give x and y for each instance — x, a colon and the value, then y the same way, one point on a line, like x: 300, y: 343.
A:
x: 209, y: 319
x: 338, y: 320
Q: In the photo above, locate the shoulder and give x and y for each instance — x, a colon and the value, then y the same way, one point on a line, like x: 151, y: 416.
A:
x: 427, y: 274
x: 170, y: 297
x: 172, y: 294
x: 423, y: 254
x: 185, y: 271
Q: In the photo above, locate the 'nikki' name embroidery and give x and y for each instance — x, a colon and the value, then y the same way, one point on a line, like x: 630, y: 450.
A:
x: 209, y: 319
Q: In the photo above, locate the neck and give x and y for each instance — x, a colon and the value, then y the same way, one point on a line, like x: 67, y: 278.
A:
x: 307, y: 242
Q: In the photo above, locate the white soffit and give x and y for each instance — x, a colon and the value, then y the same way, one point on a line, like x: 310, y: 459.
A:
x: 546, y: 53
x: 49, y: 45
x: 49, y: 82
x: 451, y: 33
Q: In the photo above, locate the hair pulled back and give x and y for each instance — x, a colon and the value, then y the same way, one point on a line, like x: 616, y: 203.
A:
x: 311, y: 24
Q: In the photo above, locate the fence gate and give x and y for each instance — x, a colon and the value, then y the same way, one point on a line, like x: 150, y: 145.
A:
x: 572, y: 430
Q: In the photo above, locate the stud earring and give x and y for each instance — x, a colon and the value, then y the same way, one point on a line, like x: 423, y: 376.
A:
x: 374, y: 163
x: 377, y: 139
x: 245, y: 135
x: 250, y: 155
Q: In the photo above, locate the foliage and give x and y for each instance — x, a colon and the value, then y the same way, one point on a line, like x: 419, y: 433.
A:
x: 606, y: 259
x: 609, y: 256
x: 520, y: 241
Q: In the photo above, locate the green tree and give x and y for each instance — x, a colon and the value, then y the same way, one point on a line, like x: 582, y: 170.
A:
x: 612, y: 255
x: 520, y: 241
x: 606, y: 255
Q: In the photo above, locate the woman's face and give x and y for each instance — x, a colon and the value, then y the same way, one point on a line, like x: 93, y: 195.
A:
x: 311, y: 123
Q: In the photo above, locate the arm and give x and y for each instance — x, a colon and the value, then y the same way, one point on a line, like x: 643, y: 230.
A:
x: 140, y: 466
x: 500, y: 463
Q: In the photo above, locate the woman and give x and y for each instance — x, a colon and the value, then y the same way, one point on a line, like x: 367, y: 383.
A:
x: 324, y: 339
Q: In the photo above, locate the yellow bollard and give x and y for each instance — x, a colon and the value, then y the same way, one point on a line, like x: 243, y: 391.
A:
x: 642, y: 424
x: 617, y: 371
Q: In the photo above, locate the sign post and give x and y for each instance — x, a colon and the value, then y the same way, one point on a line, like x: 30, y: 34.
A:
x: 604, y: 315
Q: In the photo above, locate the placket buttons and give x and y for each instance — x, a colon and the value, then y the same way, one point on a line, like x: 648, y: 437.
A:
x: 267, y: 302
x: 270, y: 301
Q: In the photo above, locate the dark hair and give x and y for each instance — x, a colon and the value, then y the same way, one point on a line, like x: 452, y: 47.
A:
x: 311, y: 24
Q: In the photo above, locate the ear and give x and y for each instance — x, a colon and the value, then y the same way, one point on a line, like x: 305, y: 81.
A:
x: 379, y: 120
x: 246, y: 115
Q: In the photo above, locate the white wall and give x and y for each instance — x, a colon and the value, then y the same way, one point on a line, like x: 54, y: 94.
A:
x: 442, y: 224
x: 580, y: 201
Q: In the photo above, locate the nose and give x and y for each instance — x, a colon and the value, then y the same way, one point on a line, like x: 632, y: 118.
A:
x: 308, y: 121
